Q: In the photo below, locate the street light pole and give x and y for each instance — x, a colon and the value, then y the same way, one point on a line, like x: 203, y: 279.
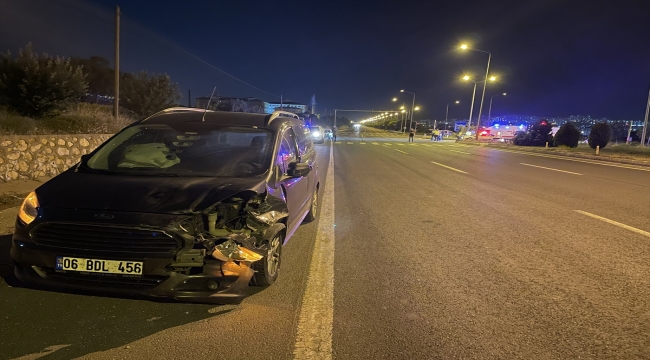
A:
x: 471, y: 109
x: 490, y: 111
x: 412, y: 108
x: 645, y: 121
x: 480, y: 109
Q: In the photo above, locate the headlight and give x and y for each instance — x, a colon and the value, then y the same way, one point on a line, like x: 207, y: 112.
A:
x: 29, y: 209
x: 316, y: 133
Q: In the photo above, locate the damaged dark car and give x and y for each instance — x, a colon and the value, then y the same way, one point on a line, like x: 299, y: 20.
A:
x: 186, y: 204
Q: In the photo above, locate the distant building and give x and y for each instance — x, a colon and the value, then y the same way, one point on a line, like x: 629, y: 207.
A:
x: 234, y: 104
x: 287, y: 105
x: 248, y: 104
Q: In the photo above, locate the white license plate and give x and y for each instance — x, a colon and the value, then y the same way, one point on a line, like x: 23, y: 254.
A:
x: 99, y: 266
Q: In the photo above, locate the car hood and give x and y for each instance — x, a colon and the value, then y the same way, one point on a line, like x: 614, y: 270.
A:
x: 151, y: 194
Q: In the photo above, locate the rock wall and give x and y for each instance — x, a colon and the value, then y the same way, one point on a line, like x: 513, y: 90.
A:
x: 34, y: 156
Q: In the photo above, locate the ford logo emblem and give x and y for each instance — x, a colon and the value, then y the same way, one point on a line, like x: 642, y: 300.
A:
x: 102, y: 216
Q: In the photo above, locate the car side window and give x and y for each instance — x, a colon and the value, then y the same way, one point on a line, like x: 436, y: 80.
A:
x: 288, y: 152
x: 305, y: 143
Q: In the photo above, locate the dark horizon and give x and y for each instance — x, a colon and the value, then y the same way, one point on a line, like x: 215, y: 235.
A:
x: 553, y: 59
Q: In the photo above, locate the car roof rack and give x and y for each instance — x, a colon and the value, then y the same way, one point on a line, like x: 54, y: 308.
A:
x: 180, y: 109
x: 279, y: 113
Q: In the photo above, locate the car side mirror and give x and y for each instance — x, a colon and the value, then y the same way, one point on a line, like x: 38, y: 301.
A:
x: 298, y: 169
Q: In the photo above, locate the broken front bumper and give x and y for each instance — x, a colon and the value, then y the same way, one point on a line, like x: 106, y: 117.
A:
x: 217, y: 282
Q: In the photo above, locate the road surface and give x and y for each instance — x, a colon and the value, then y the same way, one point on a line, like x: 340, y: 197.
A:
x: 430, y: 250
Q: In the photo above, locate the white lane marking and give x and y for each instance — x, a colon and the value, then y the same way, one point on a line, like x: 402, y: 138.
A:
x: 362, y: 143
x: 349, y: 142
x: 628, y: 227
x: 548, y: 168
x: 448, y: 167
x: 401, y: 151
x: 314, y: 334
x: 461, y: 152
x: 375, y: 143
x: 631, y: 167
x: 400, y: 144
x: 388, y: 144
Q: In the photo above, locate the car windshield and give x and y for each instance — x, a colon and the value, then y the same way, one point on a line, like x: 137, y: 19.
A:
x: 313, y: 128
x: 186, y: 149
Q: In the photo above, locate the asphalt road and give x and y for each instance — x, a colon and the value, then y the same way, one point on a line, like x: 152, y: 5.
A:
x: 440, y: 251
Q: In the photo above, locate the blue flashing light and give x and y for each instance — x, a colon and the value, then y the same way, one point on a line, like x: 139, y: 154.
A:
x: 521, y: 126
x: 496, y: 126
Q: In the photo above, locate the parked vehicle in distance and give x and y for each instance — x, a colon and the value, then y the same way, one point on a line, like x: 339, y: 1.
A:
x: 188, y: 204
x: 317, y: 134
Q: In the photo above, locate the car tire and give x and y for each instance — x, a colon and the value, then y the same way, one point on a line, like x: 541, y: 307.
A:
x: 313, y: 208
x: 267, y: 269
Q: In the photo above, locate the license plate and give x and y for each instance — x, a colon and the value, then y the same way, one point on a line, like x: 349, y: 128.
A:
x: 99, y: 266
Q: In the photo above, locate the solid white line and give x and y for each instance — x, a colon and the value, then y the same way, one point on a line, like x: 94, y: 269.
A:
x: 401, y: 151
x: 448, y: 167
x: 628, y: 227
x: 462, y: 152
x: 314, y: 333
x: 547, y: 168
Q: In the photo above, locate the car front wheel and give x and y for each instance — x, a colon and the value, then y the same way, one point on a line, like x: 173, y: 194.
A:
x: 267, y: 269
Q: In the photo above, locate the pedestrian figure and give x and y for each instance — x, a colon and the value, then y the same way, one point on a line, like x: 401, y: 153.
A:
x: 334, y: 133
x: 411, y: 135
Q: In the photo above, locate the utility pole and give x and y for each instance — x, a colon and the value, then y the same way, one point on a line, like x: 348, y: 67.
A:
x: 645, y: 120
x: 189, y: 98
x: 480, y: 109
x: 116, y: 100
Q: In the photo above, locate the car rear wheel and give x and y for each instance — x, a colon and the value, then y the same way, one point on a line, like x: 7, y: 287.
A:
x: 267, y: 269
x: 313, y: 208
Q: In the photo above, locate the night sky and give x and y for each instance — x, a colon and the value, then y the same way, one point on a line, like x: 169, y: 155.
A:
x: 554, y: 58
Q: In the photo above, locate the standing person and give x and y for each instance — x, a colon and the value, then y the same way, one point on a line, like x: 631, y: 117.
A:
x: 411, y: 135
x: 334, y: 133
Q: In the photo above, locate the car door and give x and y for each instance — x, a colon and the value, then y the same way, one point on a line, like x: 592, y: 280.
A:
x: 296, y: 189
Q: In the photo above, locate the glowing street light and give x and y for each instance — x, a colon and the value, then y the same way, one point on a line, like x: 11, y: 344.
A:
x: 416, y: 108
x: 471, y: 108
x: 487, y: 71
x: 394, y: 99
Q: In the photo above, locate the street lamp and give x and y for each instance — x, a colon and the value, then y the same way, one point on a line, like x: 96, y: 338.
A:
x: 487, y: 71
x: 412, y: 107
x: 394, y: 99
x: 490, y: 111
x: 447, y: 113
x: 471, y: 108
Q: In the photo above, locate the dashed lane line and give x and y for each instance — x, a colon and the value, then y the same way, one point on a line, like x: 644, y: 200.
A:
x: 631, y: 167
x: 461, y: 152
x: 548, y: 168
x: 404, y: 152
x: 314, y: 334
x: 627, y: 227
x: 448, y: 167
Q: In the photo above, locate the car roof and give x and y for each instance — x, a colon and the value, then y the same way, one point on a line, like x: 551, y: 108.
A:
x: 193, y: 115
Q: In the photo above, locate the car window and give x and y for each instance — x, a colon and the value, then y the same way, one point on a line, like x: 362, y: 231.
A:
x: 288, y: 152
x: 186, y: 150
x: 305, y: 143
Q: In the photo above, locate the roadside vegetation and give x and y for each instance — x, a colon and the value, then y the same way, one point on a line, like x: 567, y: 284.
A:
x: 41, y: 94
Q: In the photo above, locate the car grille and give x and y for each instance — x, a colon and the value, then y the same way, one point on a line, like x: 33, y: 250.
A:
x: 104, y: 239
x: 106, y: 281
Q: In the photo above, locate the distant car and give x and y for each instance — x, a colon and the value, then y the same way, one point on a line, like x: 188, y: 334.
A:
x: 317, y: 134
x: 185, y: 204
